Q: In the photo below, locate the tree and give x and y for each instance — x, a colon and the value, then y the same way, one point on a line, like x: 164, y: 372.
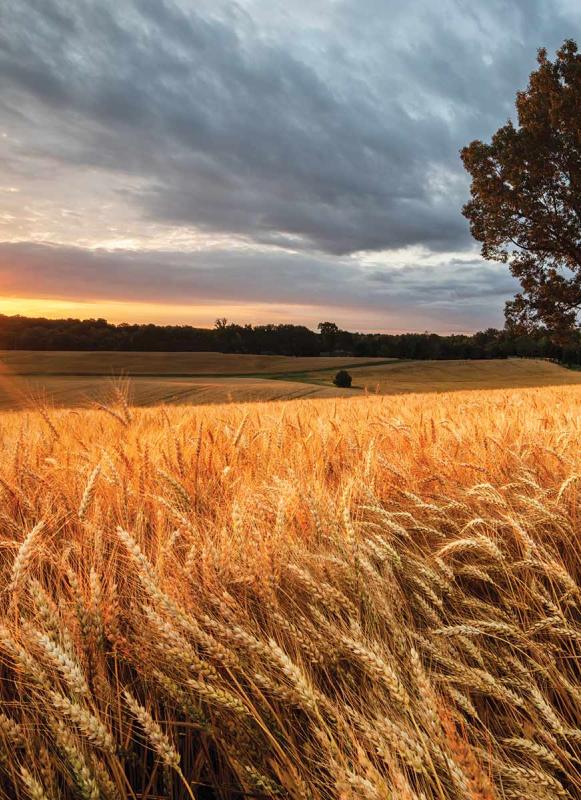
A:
x: 342, y: 379
x: 329, y: 332
x: 525, y: 203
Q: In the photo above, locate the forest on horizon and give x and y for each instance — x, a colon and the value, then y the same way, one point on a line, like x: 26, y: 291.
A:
x: 27, y: 333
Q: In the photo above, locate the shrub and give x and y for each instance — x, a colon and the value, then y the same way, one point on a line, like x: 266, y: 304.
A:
x: 342, y: 379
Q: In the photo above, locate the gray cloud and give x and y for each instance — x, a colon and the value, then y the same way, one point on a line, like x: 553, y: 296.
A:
x: 455, y: 295
x: 335, y: 130
x: 317, y: 134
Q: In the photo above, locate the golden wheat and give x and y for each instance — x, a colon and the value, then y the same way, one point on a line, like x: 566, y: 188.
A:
x: 327, y: 600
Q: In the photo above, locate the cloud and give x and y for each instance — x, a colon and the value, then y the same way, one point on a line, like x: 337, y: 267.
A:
x: 280, y: 147
x: 335, y: 130
x: 455, y: 295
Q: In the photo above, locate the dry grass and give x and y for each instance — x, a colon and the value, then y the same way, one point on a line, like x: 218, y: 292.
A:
x: 17, y: 392
x: 22, y: 387
x: 447, y: 376
x: 334, y: 600
x: 78, y: 378
x: 107, y: 363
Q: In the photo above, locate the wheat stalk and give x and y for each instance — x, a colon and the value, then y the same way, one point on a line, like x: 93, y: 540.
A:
x: 24, y: 556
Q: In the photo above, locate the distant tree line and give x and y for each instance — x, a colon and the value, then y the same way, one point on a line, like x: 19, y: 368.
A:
x: 25, y: 333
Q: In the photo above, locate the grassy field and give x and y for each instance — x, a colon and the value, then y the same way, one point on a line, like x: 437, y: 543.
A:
x: 70, y: 391
x: 112, y: 363
x: 446, y: 376
x: 28, y: 378
x: 77, y: 379
x: 326, y: 600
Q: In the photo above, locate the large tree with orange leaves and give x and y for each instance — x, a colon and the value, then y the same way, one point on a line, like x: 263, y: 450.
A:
x: 525, y: 204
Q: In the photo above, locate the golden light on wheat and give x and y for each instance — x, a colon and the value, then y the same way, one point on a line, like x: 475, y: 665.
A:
x: 369, y: 598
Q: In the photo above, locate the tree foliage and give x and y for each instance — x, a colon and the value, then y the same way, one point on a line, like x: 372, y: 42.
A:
x: 525, y: 203
x: 329, y: 334
x: 342, y: 379
x: 28, y: 333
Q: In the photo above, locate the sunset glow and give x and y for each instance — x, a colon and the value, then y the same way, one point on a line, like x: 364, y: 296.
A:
x: 117, y: 312
x: 243, y: 170
x: 198, y: 315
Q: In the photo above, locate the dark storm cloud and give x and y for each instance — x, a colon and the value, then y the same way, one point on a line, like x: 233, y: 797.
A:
x: 451, y: 295
x: 330, y: 128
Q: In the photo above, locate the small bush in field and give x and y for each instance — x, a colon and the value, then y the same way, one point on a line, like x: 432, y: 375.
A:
x: 342, y: 379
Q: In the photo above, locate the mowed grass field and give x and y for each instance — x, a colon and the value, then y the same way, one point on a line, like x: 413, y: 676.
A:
x: 34, y: 362
x: 446, y: 376
x: 338, y: 599
x: 68, y: 391
x: 79, y: 378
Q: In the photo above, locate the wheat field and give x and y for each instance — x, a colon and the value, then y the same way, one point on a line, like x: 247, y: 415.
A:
x: 80, y: 379
x: 403, y: 377
x: 372, y: 598
x: 73, y: 391
x: 113, y: 362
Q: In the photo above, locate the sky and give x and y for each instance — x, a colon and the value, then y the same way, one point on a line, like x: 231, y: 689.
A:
x: 178, y: 160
